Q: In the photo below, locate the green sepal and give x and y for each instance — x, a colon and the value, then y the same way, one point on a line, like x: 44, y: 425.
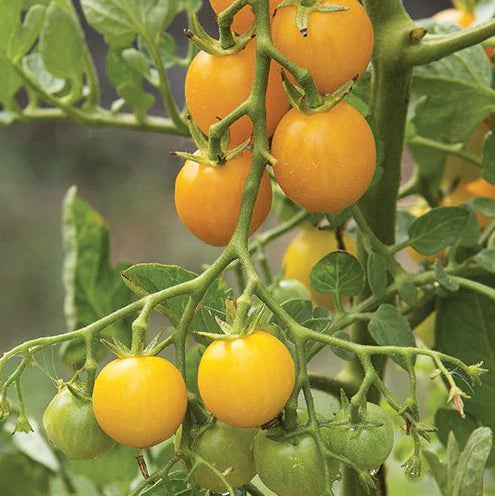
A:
x: 77, y: 392
x: 304, y: 11
x: 23, y: 425
x: 117, y: 347
x: 198, y: 35
x: 230, y: 310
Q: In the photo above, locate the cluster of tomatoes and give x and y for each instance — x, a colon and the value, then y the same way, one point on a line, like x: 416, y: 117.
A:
x: 324, y: 161
x: 244, y: 382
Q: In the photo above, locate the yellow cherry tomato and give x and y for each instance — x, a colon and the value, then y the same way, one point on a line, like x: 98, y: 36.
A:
x: 208, y: 198
x: 246, y: 381
x: 139, y: 401
x: 216, y: 85
x: 308, y: 248
x: 338, y: 45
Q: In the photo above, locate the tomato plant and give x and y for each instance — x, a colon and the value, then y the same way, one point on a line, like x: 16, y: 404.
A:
x: 71, y: 427
x: 139, y: 401
x: 323, y: 106
x: 246, y: 381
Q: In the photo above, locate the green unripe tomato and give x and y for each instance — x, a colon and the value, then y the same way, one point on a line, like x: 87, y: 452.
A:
x: 225, y: 447
x: 290, y: 289
x: 367, y: 444
x: 71, y: 426
x: 292, y: 469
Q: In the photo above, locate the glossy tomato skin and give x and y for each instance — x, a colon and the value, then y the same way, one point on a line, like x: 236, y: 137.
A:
x: 71, y: 426
x: 208, y: 198
x: 225, y: 447
x: 244, y: 18
x: 325, y: 161
x: 337, y: 48
x: 368, y: 446
x: 291, y: 469
x: 139, y: 401
x: 246, y: 382
x: 305, y: 250
x: 217, y: 85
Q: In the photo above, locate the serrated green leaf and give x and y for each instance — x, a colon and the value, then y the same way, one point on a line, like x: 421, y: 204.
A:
x: 300, y: 310
x: 62, y: 46
x: 437, y: 229
x: 388, y: 327
x: 137, y: 61
x: 464, y: 329
x: 468, y: 478
x: 485, y: 206
x: 33, y: 65
x: 128, y: 83
x: 340, y: 352
x: 338, y: 273
x: 377, y: 274
x: 93, y: 289
x: 120, y: 21
x: 149, y: 278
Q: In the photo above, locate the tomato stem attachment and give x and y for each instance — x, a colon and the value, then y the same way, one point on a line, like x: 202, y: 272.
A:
x: 143, y: 468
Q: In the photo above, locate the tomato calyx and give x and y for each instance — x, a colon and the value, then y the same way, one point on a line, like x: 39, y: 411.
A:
x: 198, y: 35
x: 299, y: 100
x: 305, y: 8
x: 203, y: 154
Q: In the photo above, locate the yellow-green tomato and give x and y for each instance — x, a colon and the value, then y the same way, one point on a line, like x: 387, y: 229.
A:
x: 246, y: 381
x: 367, y: 444
x: 292, y: 467
x: 71, y: 427
x: 230, y: 450
x: 139, y: 401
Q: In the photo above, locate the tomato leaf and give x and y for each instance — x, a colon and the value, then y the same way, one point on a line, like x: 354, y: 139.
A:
x: 437, y: 229
x: 486, y: 259
x: 338, y: 273
x: 489, y: 158
x: 33, y: 64
x: 93, y: 288
x: 464, y: 329
x: 389, y: 327
x: 149, y: 278
x: 120, y: 21
x: 443, y: 278
x: 377, y: 274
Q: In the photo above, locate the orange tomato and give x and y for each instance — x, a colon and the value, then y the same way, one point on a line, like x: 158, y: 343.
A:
x: 244, y: 18
x: 208, y: 198
x: 338, y: 45
x: 139, y: 401
x: 246, y: 381
x: 303, y: 253
x: 325, y: 161
x: 217, y: 85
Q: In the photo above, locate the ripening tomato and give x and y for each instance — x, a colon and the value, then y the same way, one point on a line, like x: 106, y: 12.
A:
x: 216, y: 85
x: 308, y: 248
x: 292, y: 467
x: 338, y: 45
x: 244, y: 18
x: 246, y: 381
x: 139, y: 401
x: 325, y: 161
x: 71, y: 426
x: 459, y: 17
x: 226, y: 448
x: 208, y: 198
x: 367, y: 444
